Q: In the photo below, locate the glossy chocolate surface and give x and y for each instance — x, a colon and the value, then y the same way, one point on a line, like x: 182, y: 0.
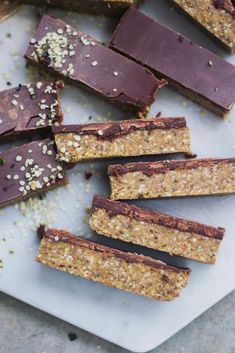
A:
x: 27, y: 108
x: 82, y: 60
x: 172, y: 56
x: 28, y: 169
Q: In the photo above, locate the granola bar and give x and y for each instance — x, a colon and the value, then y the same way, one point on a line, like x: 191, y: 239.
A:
x: 192, y: 70
x: 99, y: 7
x: 217, y: 17
x: 127, y: 271
x: 29, y: 108
x: 29, y: 170
x: 210, y: 176
x: 76, y: 143
x: 155, y: 230
x: 83, y: 61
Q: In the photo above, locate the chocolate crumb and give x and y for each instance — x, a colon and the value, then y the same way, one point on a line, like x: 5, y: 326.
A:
x: 41, y: 231
x: 190, y: 155
x: 158, y: 114
x: 8, y: 83
x: 165, y: 278
x: 88, y: 175
x: 72, y: 336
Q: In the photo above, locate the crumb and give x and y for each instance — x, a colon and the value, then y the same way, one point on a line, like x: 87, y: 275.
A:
x: 88, y: 175
x: 190, y: 155
x: 72, y: 336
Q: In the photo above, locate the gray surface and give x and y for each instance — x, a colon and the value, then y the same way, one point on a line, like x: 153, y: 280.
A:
x: 24, y: 329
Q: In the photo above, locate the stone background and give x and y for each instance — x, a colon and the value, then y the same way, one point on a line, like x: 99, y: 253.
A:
x: 24, y: 329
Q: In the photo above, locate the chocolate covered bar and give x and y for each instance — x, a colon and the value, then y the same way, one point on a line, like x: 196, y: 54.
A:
x: 29, y: 170
x: 192, y: 70
x: 210, y: 176
x: 155, y: 230
x: 29, y: 108
x: 82, y: 60
x: 99, y: 7
x: 121, y: 139
x: 217, y: 17
x: 127, y: 271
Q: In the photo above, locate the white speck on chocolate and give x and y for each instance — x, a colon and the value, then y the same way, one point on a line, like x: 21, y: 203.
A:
x: 94, y: 63
x: 18, y: 158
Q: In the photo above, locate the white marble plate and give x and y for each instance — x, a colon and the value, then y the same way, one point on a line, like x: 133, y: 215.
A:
x: 133, y: 322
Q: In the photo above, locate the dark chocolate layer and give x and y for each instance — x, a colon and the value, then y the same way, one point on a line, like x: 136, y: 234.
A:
x: 27, y: 108
x: 119, y: 208
x: 151, y: 168
x: 107, y: 7
x: 112, y: 129
x: 60, y: 235
x: 225, y: 5
x: 82, y: 60
x: 176, y: 58
x: 29, y: 169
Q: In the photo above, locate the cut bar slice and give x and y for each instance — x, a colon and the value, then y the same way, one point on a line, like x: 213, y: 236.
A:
x: 82, y: 60
x: 29, y: 108
x: 217, y: 17
x: 121, y: 139
x: 155, y: 230
x: 131, y: 272
x: 173, y: 178
x: 99, y: 7
x: 194, y: 71
x: 28, y: 170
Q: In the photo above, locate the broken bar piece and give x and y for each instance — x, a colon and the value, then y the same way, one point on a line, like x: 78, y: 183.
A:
x: 98, y: 7
x: 127, y: 271
x: 210, y: 176
x: 82, y: 60
x: 217, y: 17
x: 29, y: 108
x: 121, y: 139
x: 194, y: 71
x: 155, y: 230
x: 28, y: 170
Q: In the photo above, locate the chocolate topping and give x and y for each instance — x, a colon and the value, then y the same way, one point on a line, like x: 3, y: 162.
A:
x: 66, y: 237
x: 225, y: 5
x: 151, y: 168
x: 28, y: 169
x: 25, y: 109
x: 168, y: 54
x: 111, y: 129
x: 118, y: 208
x: 83, y: 60
x: 99, y: 7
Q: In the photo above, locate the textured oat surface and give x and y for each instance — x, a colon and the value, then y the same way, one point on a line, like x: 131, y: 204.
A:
x: 217, y: 22
x: 74, y: 148
x: 209, y: 180
x: 155, y: 236
x: 112, y: 271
